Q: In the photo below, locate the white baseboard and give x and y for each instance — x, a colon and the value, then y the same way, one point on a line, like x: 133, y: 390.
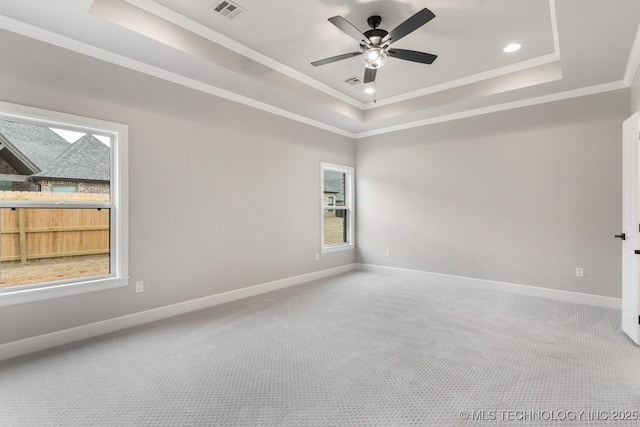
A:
x: 54, y: 339
x: 555, y: 294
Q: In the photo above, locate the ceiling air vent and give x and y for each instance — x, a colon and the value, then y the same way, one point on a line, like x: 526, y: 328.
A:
x: 353, y: 80
x: 228, y: 8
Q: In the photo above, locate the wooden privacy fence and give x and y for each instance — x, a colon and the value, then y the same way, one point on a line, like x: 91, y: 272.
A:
x: 35, y: 233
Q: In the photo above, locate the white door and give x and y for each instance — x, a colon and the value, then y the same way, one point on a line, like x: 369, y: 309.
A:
x: 631, y: 228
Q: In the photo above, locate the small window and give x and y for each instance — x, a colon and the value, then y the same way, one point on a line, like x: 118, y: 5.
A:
x: 6, y: 186
x: 59, y: 188
x: 337, y: 207
x: 55, y: 241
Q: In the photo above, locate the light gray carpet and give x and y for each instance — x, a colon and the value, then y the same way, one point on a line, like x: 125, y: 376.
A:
x: 360, y: 349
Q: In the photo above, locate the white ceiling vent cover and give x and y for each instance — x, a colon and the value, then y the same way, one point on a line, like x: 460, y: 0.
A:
x: 228, y: 8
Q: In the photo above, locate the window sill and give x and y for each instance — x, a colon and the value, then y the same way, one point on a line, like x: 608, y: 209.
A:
x: 337, y: 248
x: 13, y: 297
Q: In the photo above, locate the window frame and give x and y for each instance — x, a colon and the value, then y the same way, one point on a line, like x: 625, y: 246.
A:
x: 118, y: 205
x: 348, y: 207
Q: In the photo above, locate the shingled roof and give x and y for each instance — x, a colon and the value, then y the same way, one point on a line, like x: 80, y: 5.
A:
x: 40, y: 152
x: 86, y: 159
x: 40, y: 145
x: 334, y: 183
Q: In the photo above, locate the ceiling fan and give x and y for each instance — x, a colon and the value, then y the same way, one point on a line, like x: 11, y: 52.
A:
x: 375, y: 43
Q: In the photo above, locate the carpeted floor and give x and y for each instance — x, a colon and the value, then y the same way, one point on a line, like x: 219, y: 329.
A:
x: 361, y: 349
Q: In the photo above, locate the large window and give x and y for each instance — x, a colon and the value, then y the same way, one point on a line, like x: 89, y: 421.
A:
x: 337, y: 207
x: 64, y: 219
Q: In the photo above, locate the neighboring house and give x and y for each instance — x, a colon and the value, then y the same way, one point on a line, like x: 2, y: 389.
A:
x: 34, y: 158
x: 81, y: 168
x: 333, y: 191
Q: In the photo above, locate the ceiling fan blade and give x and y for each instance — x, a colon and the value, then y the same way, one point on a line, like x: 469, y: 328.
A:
x: 409, y: 26
x: 349, y: 29
x: 370, y: 75
x: 335, y: 58
x: 412, y: 55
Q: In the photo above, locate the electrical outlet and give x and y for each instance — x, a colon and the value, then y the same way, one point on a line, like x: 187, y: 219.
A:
x: 140, y: 286
x: 579, y: 272
x: 387, y: 252
x: 317, y: 257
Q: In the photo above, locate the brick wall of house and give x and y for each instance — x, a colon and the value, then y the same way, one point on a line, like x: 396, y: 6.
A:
x: 6, y: 168
x: 82, y: 186
x: 24, y: 186
x: 47, y: 184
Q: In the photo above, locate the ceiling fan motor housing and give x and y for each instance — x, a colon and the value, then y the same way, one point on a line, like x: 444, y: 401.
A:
x: 376, y: 35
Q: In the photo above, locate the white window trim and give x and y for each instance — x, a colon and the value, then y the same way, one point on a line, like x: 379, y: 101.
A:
x: 349, y: 207
x: 119, y: 204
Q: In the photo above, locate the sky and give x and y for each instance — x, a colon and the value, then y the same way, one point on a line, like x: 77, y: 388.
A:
x: 73, y: 136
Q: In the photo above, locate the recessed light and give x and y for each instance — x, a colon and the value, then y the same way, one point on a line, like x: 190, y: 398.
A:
x: 512, y: 47
x: 369, y: 89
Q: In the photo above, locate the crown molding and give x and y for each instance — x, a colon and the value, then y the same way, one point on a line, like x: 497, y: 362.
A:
x: 169, y: 15
x: 188, y: 24
x: 55, y: 39
x: 559, y: 96
x: 46, y: 36
x: 474, y: 78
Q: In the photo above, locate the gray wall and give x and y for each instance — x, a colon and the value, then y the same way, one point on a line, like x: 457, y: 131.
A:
x: 222, y: 196
x: 523, y: 196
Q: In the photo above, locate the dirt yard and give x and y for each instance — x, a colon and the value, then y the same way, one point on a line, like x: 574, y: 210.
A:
x: 48, y: 270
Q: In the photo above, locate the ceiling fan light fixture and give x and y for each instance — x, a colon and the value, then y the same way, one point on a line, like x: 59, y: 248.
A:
x: 375, y: 57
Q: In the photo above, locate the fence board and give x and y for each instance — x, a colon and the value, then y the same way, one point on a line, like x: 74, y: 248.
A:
x: 47, y: 196
x: 35, y: 233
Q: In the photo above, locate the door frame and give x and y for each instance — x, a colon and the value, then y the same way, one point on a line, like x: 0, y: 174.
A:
x: 631, y: 227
